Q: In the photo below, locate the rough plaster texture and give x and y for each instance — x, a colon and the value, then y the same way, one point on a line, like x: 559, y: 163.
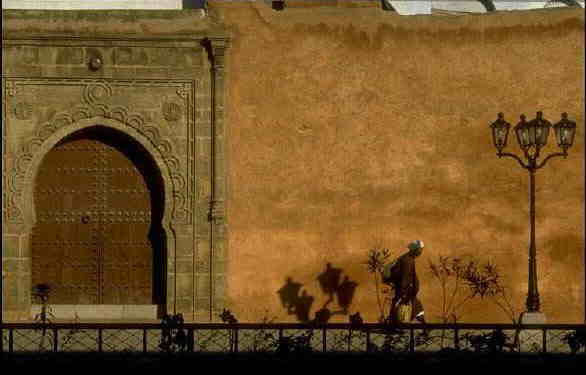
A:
x: 350, y: 128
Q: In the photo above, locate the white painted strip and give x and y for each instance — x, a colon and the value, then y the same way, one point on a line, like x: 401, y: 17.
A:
x: 101, y: 4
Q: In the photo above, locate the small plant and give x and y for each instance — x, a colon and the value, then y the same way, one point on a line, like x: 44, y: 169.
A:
x: 42, y: 292
x: 228, y: 317
x: 575, y: 340
x: 356, y: 320
x: 452, y: 274
x: 377, y: 258
x: 495, y: 341
x: 262, y: 339
x: 173, y: 336
x: 295, y: 345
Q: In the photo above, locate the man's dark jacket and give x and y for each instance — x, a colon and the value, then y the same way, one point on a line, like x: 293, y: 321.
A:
x: 407, y: 284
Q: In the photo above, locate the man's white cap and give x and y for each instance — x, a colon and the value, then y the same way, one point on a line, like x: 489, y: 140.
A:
x: 416, y: 245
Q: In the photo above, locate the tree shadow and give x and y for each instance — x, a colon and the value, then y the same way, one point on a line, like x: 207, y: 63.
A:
x: 298, y: 302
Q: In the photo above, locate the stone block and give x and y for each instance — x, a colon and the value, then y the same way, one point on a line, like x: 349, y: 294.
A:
x: 219, y: 267
x: 10, y: 264
x: 11, y: 246
x: 138, y: 312
x: 70, y: 55
x: 202, y: 315
x: 184, y: 285
x: 219, y: 284
x: 184, y: 265
x: 185, y: 245
x: 220, y: 304
x: 203, y: 304
x: 203, y: 287
x: 24, y: 265
x: 185, y: 306
x: 99, y: 312
x: 170, y: 287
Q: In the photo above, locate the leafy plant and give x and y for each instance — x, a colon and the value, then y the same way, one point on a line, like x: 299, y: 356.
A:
x: 377, y: 258
x: 452, y: 274
x: 575, y: 340
x: 495, y: 341
x: 486, y: 282
x: 173, y: 336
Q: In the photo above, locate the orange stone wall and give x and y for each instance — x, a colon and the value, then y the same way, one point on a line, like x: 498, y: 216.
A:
x: 351, y: 128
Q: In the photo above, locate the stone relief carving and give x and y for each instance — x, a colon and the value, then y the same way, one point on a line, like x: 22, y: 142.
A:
x: 23, y: 110
x: 172, y: 111
x: 92, y: 94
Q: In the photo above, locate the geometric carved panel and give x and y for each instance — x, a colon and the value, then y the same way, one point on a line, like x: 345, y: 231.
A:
x: 164, y: 92
x: 169, y: 127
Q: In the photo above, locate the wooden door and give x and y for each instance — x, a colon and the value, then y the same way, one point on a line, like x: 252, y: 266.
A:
x: 91, y: 242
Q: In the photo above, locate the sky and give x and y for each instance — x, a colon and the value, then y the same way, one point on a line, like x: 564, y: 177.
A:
x: 404, y: 7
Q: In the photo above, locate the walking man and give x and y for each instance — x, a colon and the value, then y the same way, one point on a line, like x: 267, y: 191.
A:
x: 403, y: 277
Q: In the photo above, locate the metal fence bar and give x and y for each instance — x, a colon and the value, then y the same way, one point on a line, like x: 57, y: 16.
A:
x: 190, y: 340
x: 11, y: 340
x: 544, y: 338
x: 55, y: 340
x: 19, y: 336
x: 367, y: 349
x: 100, y: 340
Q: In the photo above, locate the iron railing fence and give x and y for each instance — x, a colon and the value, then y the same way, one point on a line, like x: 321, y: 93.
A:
x: 291, y: 337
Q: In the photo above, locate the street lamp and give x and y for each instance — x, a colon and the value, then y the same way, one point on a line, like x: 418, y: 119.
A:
x: 532, y: 136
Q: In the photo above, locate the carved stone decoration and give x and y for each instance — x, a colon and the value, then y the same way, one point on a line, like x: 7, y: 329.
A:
x: 92, y: 93
x: 188, y: 156
x: 172, y: 111
x: 23, y: 111
x: 96, y: 92
x: 95, y: 63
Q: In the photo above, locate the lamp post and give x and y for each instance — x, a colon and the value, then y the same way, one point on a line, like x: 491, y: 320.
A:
x: 532, y: 136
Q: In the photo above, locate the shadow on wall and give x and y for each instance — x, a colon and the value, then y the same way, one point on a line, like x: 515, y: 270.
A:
x: 299, y: 302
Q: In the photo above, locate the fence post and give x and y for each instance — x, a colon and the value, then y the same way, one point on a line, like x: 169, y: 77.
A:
x: 368, y: 340
x: 349, y: 338
x: 11, y: 340
x: 544, y: 345
x: 144, y: 340
x: 457, y: 338
x: 235, y: 344
x: 411, y: 340
x: 100, y: 340
x: 55, y: 340
x: 190, y: 338
x: 324, y: 340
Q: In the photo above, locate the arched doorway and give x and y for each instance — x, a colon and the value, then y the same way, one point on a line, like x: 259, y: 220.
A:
x: 98, y: 238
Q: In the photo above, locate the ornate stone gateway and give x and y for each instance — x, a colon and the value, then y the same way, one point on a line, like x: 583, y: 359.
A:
x: 113, y: 174
x: 97, y: 233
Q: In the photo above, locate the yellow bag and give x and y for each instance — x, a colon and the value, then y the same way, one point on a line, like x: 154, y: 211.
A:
x: 404, y: 313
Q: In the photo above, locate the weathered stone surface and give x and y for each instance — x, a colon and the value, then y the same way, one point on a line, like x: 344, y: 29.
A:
x: 351, y: 128
x: 144, y: 87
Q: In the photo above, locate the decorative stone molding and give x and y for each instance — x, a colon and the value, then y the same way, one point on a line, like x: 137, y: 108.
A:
x: 168, y: 105
x: 92, y: 92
